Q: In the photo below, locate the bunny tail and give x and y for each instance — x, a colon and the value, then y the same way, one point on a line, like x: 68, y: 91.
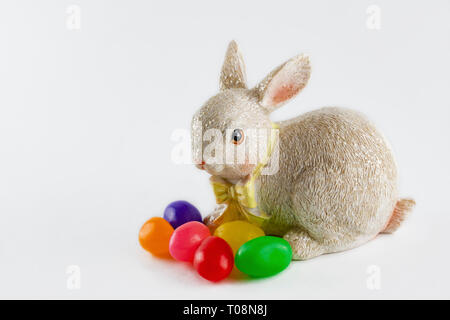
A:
x: 401, y: 211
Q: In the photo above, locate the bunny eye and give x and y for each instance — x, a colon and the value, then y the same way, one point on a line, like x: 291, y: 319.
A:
x: 237, y: 136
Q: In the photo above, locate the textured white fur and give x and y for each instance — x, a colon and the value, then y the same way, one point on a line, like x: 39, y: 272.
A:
x: 336, y: 187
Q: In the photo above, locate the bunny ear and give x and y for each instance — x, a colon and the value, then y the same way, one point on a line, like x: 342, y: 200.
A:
x: 233, y: 69
x: 284, y: 83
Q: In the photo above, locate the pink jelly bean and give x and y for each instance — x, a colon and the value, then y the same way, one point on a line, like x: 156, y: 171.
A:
x: 186, y: 239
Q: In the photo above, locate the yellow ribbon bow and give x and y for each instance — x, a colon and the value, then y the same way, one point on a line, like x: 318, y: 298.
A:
x: 238, y: 200
x: 225, y: 191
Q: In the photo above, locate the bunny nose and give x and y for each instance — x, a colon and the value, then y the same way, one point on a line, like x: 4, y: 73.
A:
x: 201, y: 165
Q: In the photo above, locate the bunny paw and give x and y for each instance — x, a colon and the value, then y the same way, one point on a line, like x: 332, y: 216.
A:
x: 303, y: 246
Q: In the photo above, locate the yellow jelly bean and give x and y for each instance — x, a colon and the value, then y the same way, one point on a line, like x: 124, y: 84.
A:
x: 236, y: 233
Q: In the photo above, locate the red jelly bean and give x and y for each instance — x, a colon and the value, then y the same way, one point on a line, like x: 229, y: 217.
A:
x: 213, y: 259
x: 186, y: 239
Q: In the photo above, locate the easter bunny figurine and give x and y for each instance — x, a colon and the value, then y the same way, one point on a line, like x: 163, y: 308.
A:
x: 335, y: 183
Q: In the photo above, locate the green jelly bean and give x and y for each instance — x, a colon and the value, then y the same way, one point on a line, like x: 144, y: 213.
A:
x: 263, y: 256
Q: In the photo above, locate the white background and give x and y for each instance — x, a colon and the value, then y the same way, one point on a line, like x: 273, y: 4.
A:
x: 87, y: 116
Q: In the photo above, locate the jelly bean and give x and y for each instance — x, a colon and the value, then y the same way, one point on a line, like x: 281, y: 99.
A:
x: 180, y: 212
x: 213, y: 259
x: 186, y: 239
x: 154, y: 236
x: 263, y: 256
x: 236, y: 233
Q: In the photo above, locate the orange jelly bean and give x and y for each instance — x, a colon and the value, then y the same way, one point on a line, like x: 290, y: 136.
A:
x: 154, y: 236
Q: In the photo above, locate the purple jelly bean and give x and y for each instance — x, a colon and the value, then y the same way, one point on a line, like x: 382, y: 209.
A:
x: 180, y: 212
